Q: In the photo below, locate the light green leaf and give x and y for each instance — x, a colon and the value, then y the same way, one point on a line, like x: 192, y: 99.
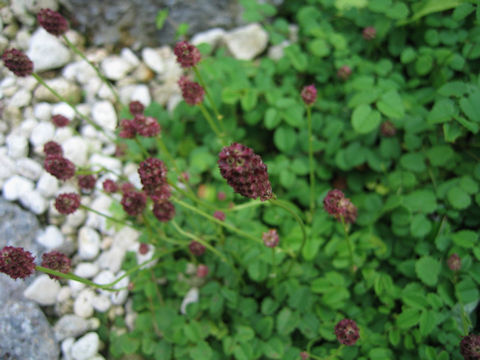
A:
x: 408, y: 318
x: 427, y: 269
x: 465, y: 238
x: 471, y: 106
x: 391, y: 105
x: 427, y: 322
x: 442, y: 111
x: 364, y: 119
x: 458, y: 198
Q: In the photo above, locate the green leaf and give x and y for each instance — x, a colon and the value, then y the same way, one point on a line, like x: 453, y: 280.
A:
x: 465, y: 238
x: 244, y: 333
x: 471, y: 106
x: 319, y: 47
x: 297, y: 58
x: 414, y: 162
x: 257, y: 270
x: 364, y: 119
x: 427, y: 322
x: 274, y: 348
x: 293, y: 115
x: 454, y: 88
x: 249, y: 100
x: 391, y: 105
x: 160, y: 19
x: 272, y: 118
x: 398, y: 11
x: 420, y: 226
x: 431, y: 6
x: 458, y: 198
x: 408, y: 318
x: 285, y: 138
x: 201, y: 351
x: 443, y: 111
x: 440, y: 155
x: 424, y: 64
x: 427, y: 269
x: 286, y: 321
x: 467, y: 291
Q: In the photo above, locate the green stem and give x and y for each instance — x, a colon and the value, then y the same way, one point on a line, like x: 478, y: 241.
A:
x: 310, y: 158
x: 142, y: 148
x: 210, y: 121
x: 97, y: 70
x: 109, y: 217
x: 251, y: 203
x: 349, y: 244
x: 212, y: 103
x: 274, y: 266
x: 465, y: 319
x: 74, y: 108
x: 280, y: 204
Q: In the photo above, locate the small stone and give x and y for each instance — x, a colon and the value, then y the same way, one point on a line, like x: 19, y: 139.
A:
x: 64, y: 294
x: 51, y: 237
x: 98, y: 161
x: 129, y: 55
x: 47, y: 51
x: 75, y: 149
x: 83, y: 306
x: 212, y: 37
x: 126, y: 238
x: 29, y: 168
x: 101, y: 303
x: 86, y: 347
x: 7, y: 165
x: 47, y: 185
x: 247, y: 42
x: 119, y: 297
x: 153, y: 60
x: 15, y: 186
x: 43, y: 290
x: 87, y: 270
x: 26, y: 127
x: 88, y: 243
x: 34, y: 201
x: 102, y: 204
x: 63, y: 109
x: 116, y: 67
x: 191, y: 297
x: 112, y: 259
x: 141, y: 93
x: 42, y: 133
x: 70, y: 326
x: 21, y: 98
x: 67, y: 348
x: 103, y: 278
x: 68, y: 89
x: 17, y: 146
x: 103, y: 113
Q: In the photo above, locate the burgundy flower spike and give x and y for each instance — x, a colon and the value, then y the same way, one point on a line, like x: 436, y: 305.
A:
x: 55, y: 260
x: 470, y: 347
x: 309, y: 94
x: 245, y: 172
x: 16, y: 262
x: 17, y: 62
x: 347, y: 332
x: 52, y: 22
x: 67, y: 203
x: 192, y: 92
x: 337, y: 205
x: 60, y: 167
x: 187, y: 54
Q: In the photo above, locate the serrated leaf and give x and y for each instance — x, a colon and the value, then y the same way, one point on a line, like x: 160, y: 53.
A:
x: 442, y: 111
x: 408, y: 318
x: 427, y: 269
x: 458, y: 198
x: 427, y: 322
x: 465, y: 238
x: 471, y: 106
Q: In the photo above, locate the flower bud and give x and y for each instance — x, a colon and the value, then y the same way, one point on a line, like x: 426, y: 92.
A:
x: 369, y: 33
x: 60, y: 167
x: 187, y: 54
x: 17, y: 62
x: 192, y: 92
x: 270, y: 238
x: 196, y: 248
x: 67, y: 203
x: 220, y: 215
x: 164, y: 210
x: 344, y: 72
x: 309, y: 94
x: 202, y: 271
x: 55, y: 260
x: 16, y: 262
x: 347, y: 332
x: 470, y: 347
x: 454, y: 262
x: 60, y: 120
x: 136, y: 108
x: 52, y: 22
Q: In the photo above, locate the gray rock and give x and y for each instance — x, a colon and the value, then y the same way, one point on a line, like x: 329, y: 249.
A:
x: 112, y: 21
x: 70, y: 326
x: 25, y: 331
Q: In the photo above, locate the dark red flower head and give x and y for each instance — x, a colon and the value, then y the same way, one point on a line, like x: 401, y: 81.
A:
x: 146, y: 125
x: 454, y: 262
x: 128, y: 130
x: 187, y: 54
x: 153, y: 175
x: 202, y: 270
x: 388, y: 129
x: 52, y: 21
x: 221, y: 195
x: 55, y: 260
x: 136, y: 108
x: 67, y: 203
x: 164, y: 210
x: 60, y: 120
x: 60, y: 167
x: 347, y: 332
x: 52, y: 148
x: 270, y: 238
x: 86, y: 182
x: 143, y: 249
x: 110, y: 186
x: 304, y: 355
x: 17, y: 62
x: 309, y: 94
x: 245, y: 172
x: 196, y: 248
x: 16, y: 262
x: 337, y: 205
x: 470, y: 347
x: 192, y: 92
x: 344, y: 72
x: 369, y: 33
x: 220, y: 215
x: 133, y: 202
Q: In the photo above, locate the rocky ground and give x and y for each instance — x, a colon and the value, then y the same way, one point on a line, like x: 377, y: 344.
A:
x: 27, y: 215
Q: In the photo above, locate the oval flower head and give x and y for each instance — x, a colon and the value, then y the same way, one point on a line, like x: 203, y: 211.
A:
x: 187, y: 54
x: 16, y: 262
x: 309, y: 94
x: 347, y: 332
x: 17, y: 62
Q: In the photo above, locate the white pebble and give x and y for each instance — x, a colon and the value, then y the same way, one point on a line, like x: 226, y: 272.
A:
x: 191, y: 297
x: 112, y: 259
x: 63, y: 109
x: 115, y: 67
x: 119, y: 297
x: 141, y: 93
x: 98, y: 161
x: 130, y: 56
x: 15, y: 186
x: 103, y: 113
x: 126, y: 237
x: 51, y: 237
x: 101, y: 303
x: 21, y: 98
x: 103, y: 278
x: 70, y: 326
x: 7, y: 165
x: 43, y: 290
x: 153, y: 60
x: 88, y: 243
x: 64, y: 294
x: 86, y: 347
x: 67, y: 348
x: 47, y: 185
x: 83, y: 306
x: 34, y: 201
x: 75, y: 149
x: 17, y: 146
x: 43, y: 111
x: 47, y: 51
x: 86, y: 270
x: 42, y: 133
x: 29, y: 168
